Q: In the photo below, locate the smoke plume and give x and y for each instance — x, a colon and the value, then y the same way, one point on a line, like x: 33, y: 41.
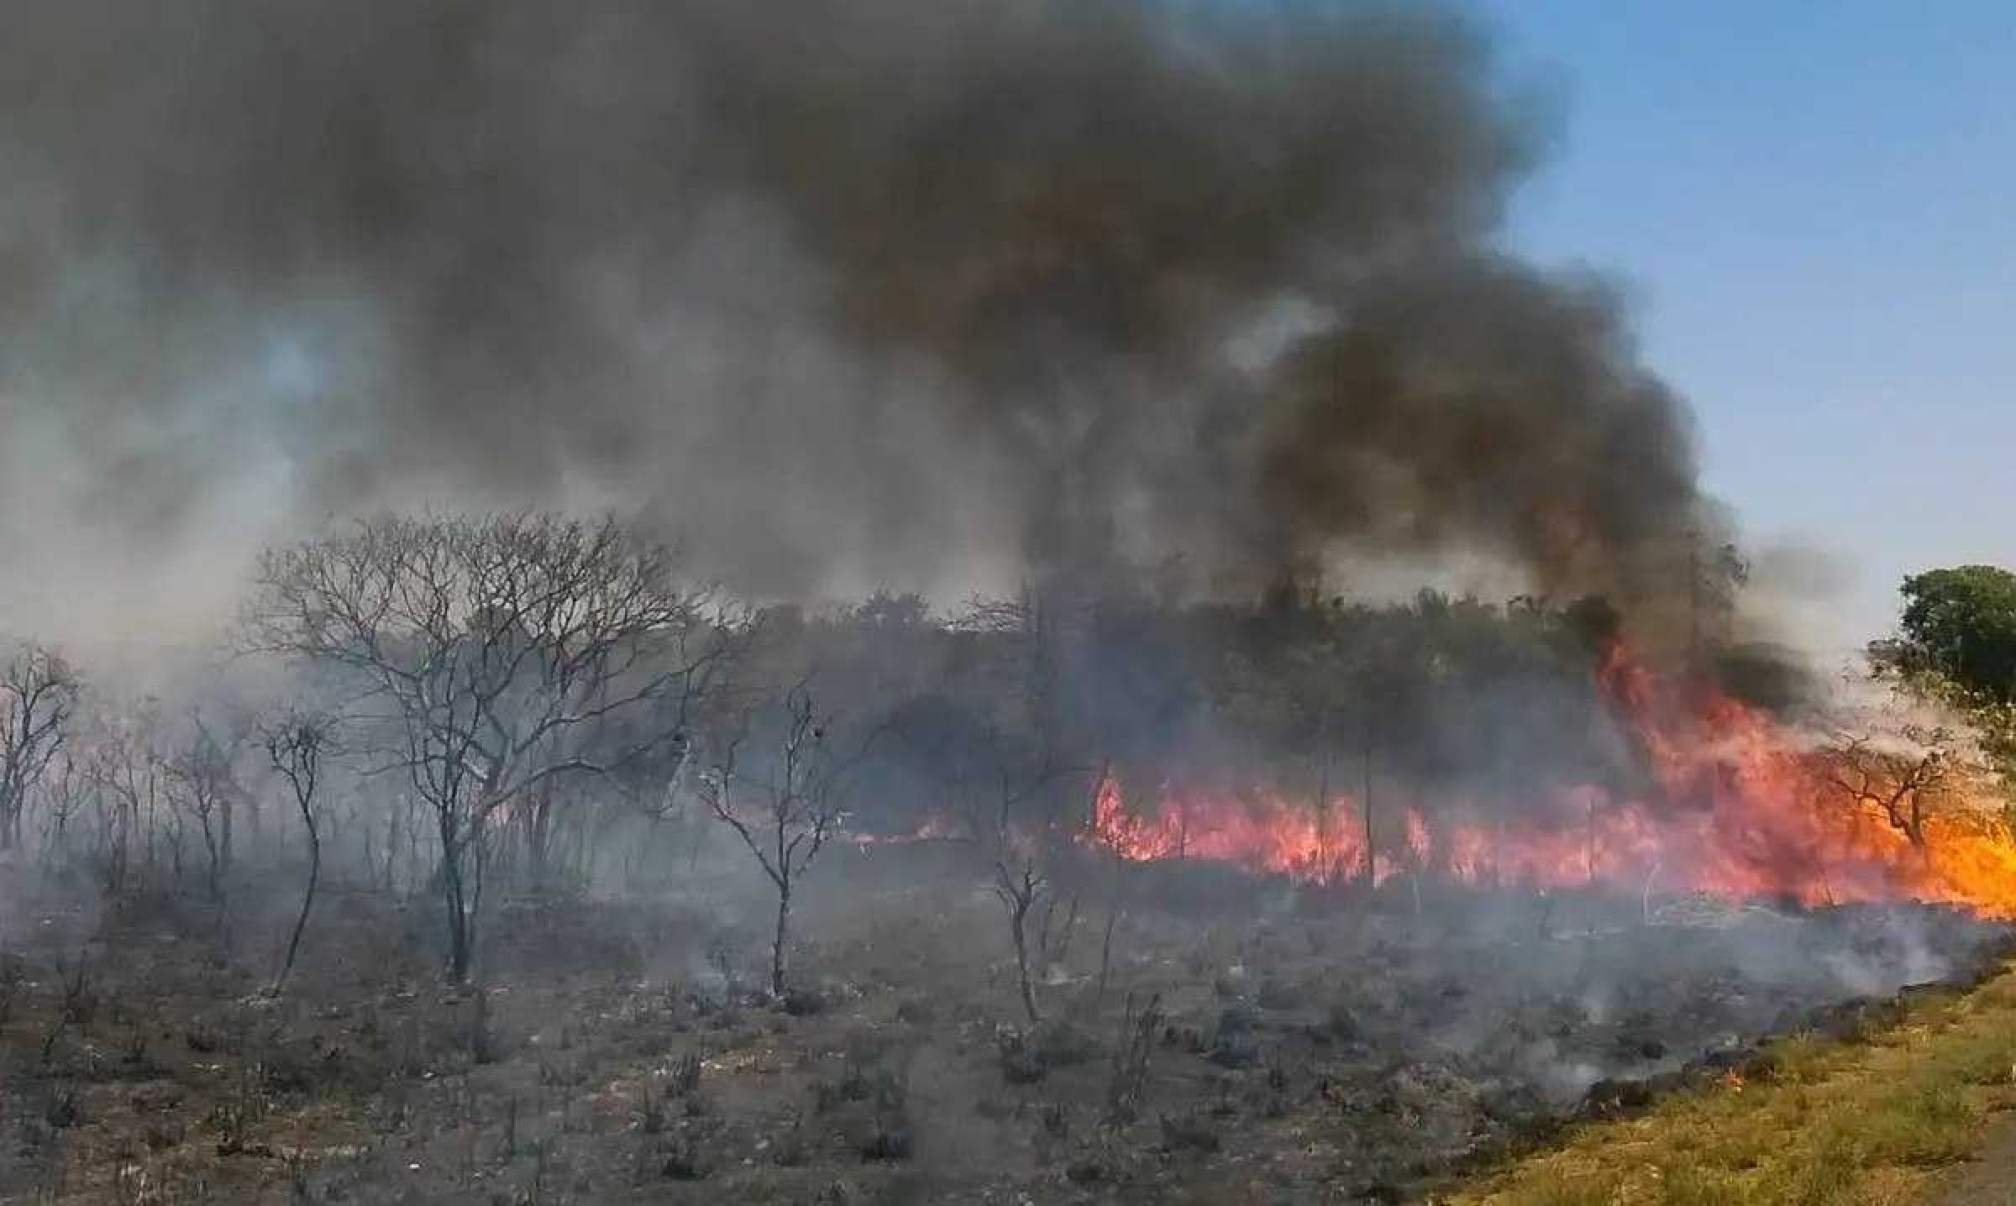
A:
x: 842, y: 292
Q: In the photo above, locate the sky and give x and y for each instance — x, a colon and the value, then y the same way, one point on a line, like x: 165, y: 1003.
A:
x: 1812, y: 207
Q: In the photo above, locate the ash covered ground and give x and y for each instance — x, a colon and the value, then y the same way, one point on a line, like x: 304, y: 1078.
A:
x: 1248, y: 1039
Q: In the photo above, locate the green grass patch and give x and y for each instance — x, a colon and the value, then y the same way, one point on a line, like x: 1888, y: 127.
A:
x: 1875, y: 1120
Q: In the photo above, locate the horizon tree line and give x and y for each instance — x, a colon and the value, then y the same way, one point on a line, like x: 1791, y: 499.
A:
x: 513, y: 689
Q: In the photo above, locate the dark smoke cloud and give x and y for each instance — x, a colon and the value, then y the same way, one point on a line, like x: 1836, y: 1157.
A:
x: 1476, y: 400
x: 846, y: 291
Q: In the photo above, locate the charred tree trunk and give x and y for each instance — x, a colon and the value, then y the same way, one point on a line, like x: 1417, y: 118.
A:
x: 1018, y: 889
x: 1371, y: 830
x: 225, y: 829
x: 781, y: 942
x: 455, y: 898
x: 1018, y: 928
x: 295, y: 750
x: 1106, y: 948
x: 539, y: 836
x: 307, y: 904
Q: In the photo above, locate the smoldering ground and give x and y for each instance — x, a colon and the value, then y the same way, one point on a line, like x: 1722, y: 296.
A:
x: 844, y: 294
x: 1303, y: 1050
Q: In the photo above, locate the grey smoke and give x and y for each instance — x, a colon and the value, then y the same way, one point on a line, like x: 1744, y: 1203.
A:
x: 841, y: 291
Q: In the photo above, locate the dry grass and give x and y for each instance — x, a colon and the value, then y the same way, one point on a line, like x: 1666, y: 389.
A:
x: 1875, y: 1121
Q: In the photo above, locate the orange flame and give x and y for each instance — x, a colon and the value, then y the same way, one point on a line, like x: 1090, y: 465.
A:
x: 1740, y: 808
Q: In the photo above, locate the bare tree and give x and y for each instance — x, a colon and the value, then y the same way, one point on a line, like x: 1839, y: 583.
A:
x: 125, y: 772
x: 1022, y: 848
x: 501, y: 652
x: 786, y: 814
x: 202, y: 780
x: 38, y: 696
x: 296, y: 748
x: 68, y: 786
x: 1906, y: 781
x: 1019, y: 882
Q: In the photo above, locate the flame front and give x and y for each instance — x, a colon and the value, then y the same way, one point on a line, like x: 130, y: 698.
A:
x: 1740, y: 807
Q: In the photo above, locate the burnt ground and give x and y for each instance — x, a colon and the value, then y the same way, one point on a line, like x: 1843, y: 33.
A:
x: 1252, y: 1042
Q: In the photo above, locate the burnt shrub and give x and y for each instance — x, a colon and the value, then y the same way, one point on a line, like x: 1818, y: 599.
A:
x: 803, y: 1002
x: 1512, y: 1104
x: 487, y: 1044
x: 829, y: 1095
x: 1056, y: 1119
x: 685, y: 1075
x: 917, y: 1011
x: 80, y: 997
x: 683, y: 1163
x: 1189, y: 1133
x: 1085, y: 1172
x: 62, y: 1110
x: 858, y: 1084
x: 1236, y: 1041
x: 1063, y: 1045
x: 288, y: 1069
x: 887, y: 1137
x: 1280, y: 994
x: 1614, y: 1096
x: 1021, y: 1060
x: 13, y: 974
x: 1638, y: 1047
x: 790, y: 1148
x: 160, y: 1137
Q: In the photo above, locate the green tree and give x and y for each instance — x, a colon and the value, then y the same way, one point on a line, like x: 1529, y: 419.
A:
x: 1960, y: 623
x: 1957, y: 645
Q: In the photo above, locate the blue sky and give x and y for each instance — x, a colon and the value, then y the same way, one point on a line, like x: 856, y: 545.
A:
x: 1812, y: 206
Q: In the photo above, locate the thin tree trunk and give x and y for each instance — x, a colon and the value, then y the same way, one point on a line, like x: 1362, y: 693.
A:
x: 307, y: 903
x: 1106, y: 947
x: 1017, y: 927
x: 1371, y: 849
x: 455, y: 898
x: 783, y: 936
x: 539, y: 837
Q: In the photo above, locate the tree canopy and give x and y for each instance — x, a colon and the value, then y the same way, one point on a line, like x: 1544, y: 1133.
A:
x: 1960, y: 623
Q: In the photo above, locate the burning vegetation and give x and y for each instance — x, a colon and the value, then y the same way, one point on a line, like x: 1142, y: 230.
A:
x: 507, y: 858
x: 1734, y: 802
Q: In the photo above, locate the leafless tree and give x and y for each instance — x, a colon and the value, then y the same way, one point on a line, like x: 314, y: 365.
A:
x: 785, y: 813
x: 1022, y: 849
x: 296, y: 748
x: 1019, y: 882
x: 1129, y: 1080
x: 1116, y: 910
x: 501, y: 652
x: 125, y: 773
x: 202, y: 780
x: 67, y: 789
x: 1906, y: 781
x: 1035, y: 627
x: 38, y: 697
